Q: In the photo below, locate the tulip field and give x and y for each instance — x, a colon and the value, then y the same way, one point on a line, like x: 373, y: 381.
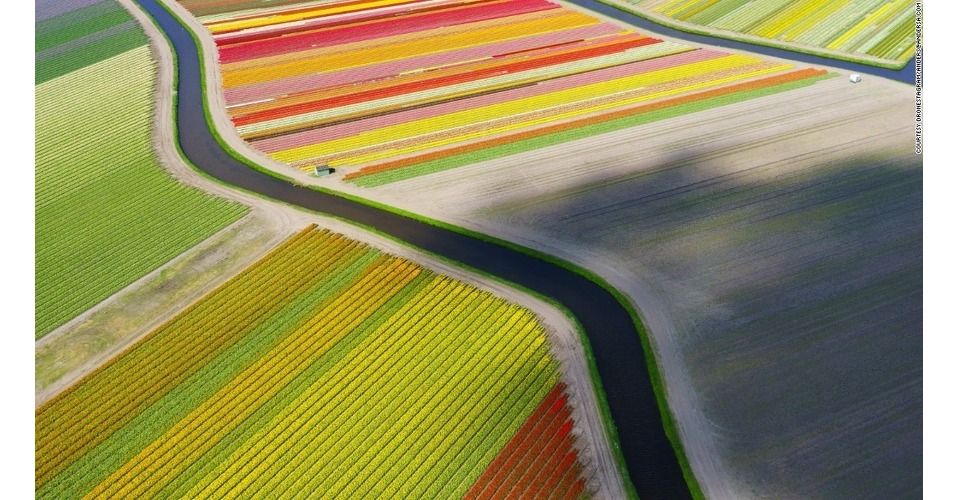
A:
x: 107, y: 212
x: 879, y: 28
x: 354, y: 84
x: 326, y: 367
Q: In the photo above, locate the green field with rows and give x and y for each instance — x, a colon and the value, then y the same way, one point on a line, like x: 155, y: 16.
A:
x: 884, y: 29
x: 327, y: 367
x: 84, y: 36
x: 107, y: 213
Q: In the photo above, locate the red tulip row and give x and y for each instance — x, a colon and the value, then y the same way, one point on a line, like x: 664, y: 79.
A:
x: 538, y: 458
x: 277, y: 45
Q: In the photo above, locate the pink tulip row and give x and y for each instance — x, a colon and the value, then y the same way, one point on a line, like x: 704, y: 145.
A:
x: 291, y: 86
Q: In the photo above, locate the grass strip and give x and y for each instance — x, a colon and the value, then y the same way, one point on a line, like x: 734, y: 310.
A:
x: 107, y: 213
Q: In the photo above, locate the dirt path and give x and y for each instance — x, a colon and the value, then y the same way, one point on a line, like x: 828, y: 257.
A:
x: 225, y: 128
x: 716, y: 479
x: 565, y: 340
x: 83, y: 344
x: 463, y: 196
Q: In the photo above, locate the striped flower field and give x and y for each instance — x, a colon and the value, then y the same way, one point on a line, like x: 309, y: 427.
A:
x: 879, y: 28
x: 327, y: 367
x: 379, y: 86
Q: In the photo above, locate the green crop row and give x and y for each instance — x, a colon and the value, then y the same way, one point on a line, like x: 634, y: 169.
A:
x: 194, y: 434
x: 80, y: 28
x: 846, y: 30
x: 82, y: 37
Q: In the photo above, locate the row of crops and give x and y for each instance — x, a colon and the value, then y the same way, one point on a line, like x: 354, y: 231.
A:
x: 327, y: 367
x: 353, y: 84
x: 879, y: 28
x: 107, y: 213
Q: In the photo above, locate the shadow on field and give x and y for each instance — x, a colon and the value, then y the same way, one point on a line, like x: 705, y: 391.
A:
x: 796, y: 290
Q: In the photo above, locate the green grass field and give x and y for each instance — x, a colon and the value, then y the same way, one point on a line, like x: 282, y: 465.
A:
x: 106, y: 211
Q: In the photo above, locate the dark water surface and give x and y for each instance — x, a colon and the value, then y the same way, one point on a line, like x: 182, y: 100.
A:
x: 652, y: 464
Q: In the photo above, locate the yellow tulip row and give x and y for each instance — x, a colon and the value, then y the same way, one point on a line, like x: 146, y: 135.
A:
x: 550, y: 115
x: 298, y: 15
x: 393, y: 366
x: 348, y: 377
x: 353, y: 150
x: 857, y: 29
x: 112, y: 395
x: 350, y: 417
x: 527, y: 381
x: 798, y: 12
x: 384, y: 43
x: 876, y: 27
x: 194, y: 435
x: 418, y: 354
x: 238, y: 465
x: 462, y: 90
x: 395, y: 381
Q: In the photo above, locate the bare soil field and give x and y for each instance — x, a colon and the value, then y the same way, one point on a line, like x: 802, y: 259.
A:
x: 774, y: 249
